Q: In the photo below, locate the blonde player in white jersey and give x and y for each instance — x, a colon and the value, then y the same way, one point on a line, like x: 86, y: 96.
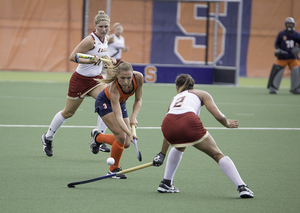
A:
x: 182, y: 127
x: 116, y: 43
x: 82, y: 82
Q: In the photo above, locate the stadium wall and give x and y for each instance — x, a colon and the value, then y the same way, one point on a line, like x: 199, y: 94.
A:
x: 39, y: 35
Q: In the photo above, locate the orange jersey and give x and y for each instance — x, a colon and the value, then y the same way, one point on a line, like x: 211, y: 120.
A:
x: 123, y: 96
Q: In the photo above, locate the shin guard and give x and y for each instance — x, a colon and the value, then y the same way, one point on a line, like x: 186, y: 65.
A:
x: 295, y: 78
x: 275, y: 76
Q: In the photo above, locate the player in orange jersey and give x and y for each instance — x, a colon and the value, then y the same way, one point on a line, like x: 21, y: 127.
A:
x: 111, y: 107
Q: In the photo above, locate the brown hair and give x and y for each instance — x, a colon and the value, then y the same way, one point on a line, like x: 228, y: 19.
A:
x: 102, y: 16
x: 114, y: 70
x: 184, y: 82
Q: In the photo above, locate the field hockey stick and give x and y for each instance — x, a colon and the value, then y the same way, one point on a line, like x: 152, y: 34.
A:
x: 72, y: 185
x: 91, y: 57
x: 138, y: 153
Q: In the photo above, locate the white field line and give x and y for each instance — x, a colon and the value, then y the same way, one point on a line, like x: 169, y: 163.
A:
x: 151, y: 101
x: 148, y: 128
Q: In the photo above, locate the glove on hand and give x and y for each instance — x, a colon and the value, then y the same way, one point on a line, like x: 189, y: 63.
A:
x: 158, y: 160
x: 280, y: 53
x: 295, y: 51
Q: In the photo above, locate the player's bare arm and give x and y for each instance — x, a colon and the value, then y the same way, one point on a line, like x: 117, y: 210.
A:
x: 138, y: 98
x: 125, y: 49
x: 85, y: 45
x: 110, y: 39
x: 210, y: 105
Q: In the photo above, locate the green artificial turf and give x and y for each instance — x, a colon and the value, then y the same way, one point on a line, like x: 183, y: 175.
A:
x: 265, y: 150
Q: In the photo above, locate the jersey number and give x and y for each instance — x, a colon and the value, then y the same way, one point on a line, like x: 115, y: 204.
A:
x: 179, y: 101
x: 289, y: 43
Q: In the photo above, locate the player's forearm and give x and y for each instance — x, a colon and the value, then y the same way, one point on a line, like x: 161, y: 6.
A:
x: 223, y: 120
x: 136, y: 108
x: 120, y: 120
x: 75, y: 58
x: 123, y: 126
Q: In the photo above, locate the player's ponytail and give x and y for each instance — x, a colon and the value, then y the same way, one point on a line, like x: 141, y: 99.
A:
x: 184, y: 82
x: 112, y: 72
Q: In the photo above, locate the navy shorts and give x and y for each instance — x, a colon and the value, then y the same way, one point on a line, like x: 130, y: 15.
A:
x: 103, y: 106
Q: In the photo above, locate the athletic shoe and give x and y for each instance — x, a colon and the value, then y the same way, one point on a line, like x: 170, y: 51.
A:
x: 104, y: 148
x: 119, y: 176
x: 47, y: 146
x: 295, y: 91
x: 164, y: 188
x: 245, y: 192
x: 273, y: 90
x: 95, y: 146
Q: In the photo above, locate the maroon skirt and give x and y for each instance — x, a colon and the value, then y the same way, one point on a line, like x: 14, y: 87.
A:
x: 80, y: 85
x: 182, y: 128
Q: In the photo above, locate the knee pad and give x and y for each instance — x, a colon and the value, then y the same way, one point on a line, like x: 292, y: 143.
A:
x: 275, y: 76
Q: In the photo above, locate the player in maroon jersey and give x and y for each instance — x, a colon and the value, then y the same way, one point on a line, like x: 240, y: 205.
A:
x: 183, y: 128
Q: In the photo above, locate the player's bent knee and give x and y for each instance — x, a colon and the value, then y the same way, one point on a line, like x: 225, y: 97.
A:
x: 126, y: 145
x: 67, y: 115
x: 121, y: 138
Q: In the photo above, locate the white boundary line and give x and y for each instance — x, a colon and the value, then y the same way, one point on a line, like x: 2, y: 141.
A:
x: 91, y: 127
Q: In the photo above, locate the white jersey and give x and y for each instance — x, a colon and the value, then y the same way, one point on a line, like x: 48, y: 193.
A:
x: 115, y: 48
x: 185, y: 102
x: 100, y: 49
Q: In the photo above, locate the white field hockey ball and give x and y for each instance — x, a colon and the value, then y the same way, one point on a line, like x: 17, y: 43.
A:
x: 110, y: 161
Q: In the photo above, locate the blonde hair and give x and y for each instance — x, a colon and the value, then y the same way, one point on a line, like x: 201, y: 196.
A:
x: 114, y: 70
x: 117, y: 24
x: 102, y: 16
x: 184, y: 82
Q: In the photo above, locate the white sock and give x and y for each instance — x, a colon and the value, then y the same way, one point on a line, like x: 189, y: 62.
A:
x: 56, y: 123
x: 173, y: 161
x: 230, y: 170
x: 101, y: 126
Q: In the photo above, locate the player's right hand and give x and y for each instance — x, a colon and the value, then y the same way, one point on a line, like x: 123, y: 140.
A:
x: 96, y: 59
x: 158, y: 160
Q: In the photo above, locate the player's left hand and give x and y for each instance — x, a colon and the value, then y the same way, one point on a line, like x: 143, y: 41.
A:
x: 125, y: 49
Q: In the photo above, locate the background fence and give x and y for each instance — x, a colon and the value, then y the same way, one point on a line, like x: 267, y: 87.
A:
x: 39, y: 35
